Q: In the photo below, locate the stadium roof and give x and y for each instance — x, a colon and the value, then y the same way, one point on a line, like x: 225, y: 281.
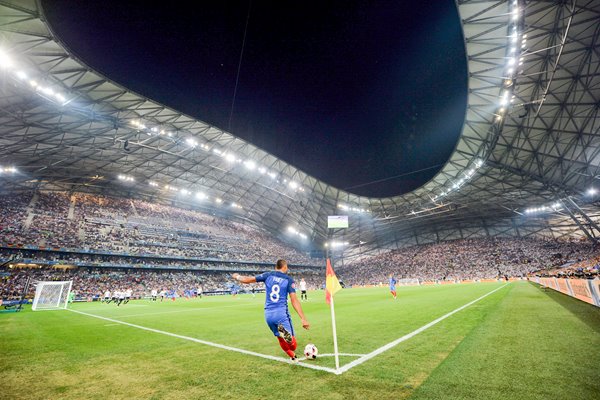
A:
x: 526, y: 162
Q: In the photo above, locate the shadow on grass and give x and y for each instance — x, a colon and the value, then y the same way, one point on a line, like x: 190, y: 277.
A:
x: 587, y: 313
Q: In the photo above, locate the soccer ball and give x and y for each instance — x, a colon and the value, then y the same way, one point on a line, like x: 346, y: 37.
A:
x: 310, y: 351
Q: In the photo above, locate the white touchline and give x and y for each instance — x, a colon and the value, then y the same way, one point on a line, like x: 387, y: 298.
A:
x: 409, y: 335
x: 221, y: 346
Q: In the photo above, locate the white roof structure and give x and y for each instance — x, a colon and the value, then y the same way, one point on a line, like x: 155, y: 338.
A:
x: 525, y: 164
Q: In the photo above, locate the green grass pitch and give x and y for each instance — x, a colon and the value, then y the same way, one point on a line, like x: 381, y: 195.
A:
x: 519, y: 343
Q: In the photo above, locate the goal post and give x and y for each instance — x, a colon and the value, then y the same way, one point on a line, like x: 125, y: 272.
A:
x: 52, y: 295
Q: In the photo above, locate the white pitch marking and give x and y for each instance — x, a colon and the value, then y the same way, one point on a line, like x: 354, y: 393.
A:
x: 331, y: 355
x: 207, y: 343
x: 409, y: 335
x: 111, y: 324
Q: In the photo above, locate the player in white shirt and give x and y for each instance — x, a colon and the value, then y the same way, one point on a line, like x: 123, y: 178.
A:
x: 163, y: 293
x: 128, y: 294
x: 303, y: 295
x: 106, y: 297
x: 153, y: 293
x: 121, y: 297
x: 199, y: 291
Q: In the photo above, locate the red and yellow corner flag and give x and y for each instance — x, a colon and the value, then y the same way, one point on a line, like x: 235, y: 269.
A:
x: 332, y: 285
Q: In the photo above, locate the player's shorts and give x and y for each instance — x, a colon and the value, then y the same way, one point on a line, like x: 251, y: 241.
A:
x: 275, y: 318
x: 392, y: 288
x: 303, y: 292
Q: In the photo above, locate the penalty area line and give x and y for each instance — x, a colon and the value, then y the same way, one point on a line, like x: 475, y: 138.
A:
x: 388, y: 346
x: 207, y: 343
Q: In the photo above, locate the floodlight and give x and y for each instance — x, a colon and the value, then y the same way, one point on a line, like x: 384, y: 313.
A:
x: 5, y: 61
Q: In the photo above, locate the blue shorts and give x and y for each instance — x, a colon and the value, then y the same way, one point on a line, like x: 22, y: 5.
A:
x: 392, y: 288
x: 275, y: 318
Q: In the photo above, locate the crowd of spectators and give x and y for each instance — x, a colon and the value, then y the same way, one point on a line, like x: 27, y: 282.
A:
x: 469, y: 259
x: 586, y: 269
x: 93, y: 282
x: 58, y: 258
x: 103, y: 224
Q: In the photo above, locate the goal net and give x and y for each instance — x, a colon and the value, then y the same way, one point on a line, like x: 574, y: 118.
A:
x: 51, y: 295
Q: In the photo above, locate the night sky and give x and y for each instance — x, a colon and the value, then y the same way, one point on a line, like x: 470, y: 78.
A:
x: 349, y: 92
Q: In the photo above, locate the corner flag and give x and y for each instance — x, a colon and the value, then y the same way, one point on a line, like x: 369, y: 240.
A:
x: 332, y: 285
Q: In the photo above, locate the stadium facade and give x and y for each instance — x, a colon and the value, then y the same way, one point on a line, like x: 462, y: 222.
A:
x: 526, y: 163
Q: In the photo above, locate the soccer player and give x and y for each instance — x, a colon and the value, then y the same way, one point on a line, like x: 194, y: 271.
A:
x: 106, y: 296
x: 153, y: 294
x: 128, y: 294
x: 199, y: 291
x: 303, y: 295
x: 393, y: 286
x: 121, y: 297
x: 278, y: 285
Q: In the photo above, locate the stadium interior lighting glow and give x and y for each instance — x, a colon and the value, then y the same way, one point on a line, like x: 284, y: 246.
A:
x: 154, y: 184
x: 354, y: 209
x: 294, y: 231
x: 262, y: 170
x: 11, y: 170
x: 592, y: 191
x: 334, y: 244
x: 184, y: 192
x: 5, y: 60
x: 250, y: 164
x: 126, y: 178
x: 230, y: 157
x: 293, y: 185
x: 201, y: 196
x: 218, y: 200
x: 273, y: 175
x: 21, y: 75
x: 191, y: 142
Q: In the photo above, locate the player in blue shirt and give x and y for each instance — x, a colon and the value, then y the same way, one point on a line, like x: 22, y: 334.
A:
x: 393, y: 286
x: 278, y: 285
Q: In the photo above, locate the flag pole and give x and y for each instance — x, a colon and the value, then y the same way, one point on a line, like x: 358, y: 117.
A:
x: 335, y: 344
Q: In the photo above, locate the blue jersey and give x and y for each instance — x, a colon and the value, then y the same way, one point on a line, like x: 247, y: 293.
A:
x: 392, y: 284
x: 277, y: 287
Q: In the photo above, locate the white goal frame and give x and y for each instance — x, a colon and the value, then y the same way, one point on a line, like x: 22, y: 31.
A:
x: 51, y: 295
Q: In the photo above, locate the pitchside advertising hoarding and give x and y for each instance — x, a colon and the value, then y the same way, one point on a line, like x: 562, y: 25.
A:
x: 587, y: 290
x: 337, y: 221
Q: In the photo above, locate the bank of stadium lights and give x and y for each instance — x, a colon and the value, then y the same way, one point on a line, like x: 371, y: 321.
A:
x: 126, y: 178
x: 235, y: 205
x: 153, y: 184
x: 295, y: 232
x: 54, y: 95
x: 543, y: 209
x: 345, y: 207
x: 150, y: 131
x: 8, y: 170
x: 467, y: 175
x: 218, y: 200
x: 335, y: 244
x: 514, y: 60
